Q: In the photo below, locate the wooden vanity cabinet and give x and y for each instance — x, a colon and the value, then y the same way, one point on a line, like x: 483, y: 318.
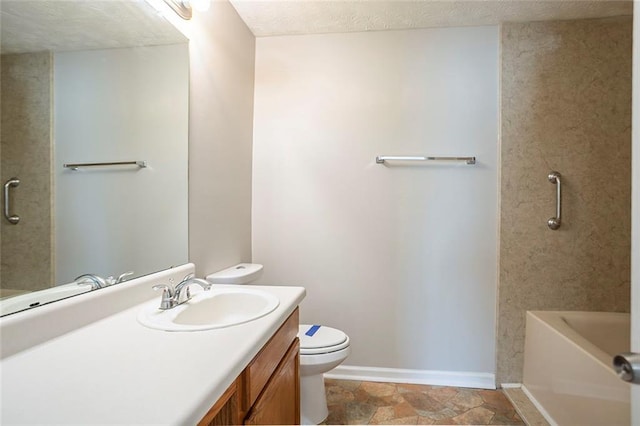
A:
x: 268, y: 390
x: 279, y: 402
x: 226, y: 411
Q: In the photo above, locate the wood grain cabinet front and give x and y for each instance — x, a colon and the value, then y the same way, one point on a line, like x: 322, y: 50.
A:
x: 268, y: 390
x: 226, y: 411
x: 279, y: 402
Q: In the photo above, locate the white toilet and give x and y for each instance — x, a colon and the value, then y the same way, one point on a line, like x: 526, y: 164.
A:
x: 322, y: 348
x: 242, y: 273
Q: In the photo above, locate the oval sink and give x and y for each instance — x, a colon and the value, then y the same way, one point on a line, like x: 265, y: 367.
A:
x: 215, y: 308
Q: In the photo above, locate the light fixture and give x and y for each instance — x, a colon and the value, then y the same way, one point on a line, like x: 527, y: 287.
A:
x: 181, y: 7
x: 184, y: 8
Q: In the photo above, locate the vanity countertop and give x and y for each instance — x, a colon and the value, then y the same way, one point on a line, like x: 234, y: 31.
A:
x: 116, y: 371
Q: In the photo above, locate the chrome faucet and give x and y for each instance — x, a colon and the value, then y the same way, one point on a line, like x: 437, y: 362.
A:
x: 123, y: 277
x: 172, y: 297
x: 96, y: 281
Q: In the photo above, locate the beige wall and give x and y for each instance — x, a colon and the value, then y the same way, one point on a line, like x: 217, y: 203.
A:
x: 222, y: 55
x: 26, y: 154
x: 566, y: 106
x: 400, y: 257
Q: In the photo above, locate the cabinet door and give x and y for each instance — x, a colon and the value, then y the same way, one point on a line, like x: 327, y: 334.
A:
x: 226, y: 410
x: 279, y: 402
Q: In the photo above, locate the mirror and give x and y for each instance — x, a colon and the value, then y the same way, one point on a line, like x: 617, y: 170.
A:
x: 90, y: 82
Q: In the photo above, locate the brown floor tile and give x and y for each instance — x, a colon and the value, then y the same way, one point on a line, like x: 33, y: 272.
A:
x: 345, y: 384
x: 466, y: 399
x: 475, y: 416
x: 438, y: 416
x: 442, y: 394
x: 379, y: 389
x: 404, y: 421
x: 383, y: 415
x: 500, y: 419
x: 354, y: 402
x: 404, y: 409
x: 496, y: 401
x: 423, y: 403
x: 337, y: 415
x: 337, y: 394
x: 359, y: 413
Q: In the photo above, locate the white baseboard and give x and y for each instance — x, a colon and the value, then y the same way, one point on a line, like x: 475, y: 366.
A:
x: 421, y: 377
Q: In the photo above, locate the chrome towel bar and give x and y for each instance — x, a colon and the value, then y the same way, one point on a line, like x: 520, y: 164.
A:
x: 382, y: 158
x: 76, y: 166
x: 555, y: 222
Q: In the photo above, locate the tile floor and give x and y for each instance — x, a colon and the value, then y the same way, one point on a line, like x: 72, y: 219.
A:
x: 355, y: 402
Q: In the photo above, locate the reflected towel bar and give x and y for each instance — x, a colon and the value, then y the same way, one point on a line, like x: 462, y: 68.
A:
x: 382, y: 158
x: 76, y: 166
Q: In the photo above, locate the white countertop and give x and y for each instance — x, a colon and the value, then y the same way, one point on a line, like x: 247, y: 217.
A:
x: 116, y: 371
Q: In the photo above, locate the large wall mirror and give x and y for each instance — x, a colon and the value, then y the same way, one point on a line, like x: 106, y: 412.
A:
x: 93, y: 149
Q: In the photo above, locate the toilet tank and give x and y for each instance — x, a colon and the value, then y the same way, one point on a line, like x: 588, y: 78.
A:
x: 242, y: 273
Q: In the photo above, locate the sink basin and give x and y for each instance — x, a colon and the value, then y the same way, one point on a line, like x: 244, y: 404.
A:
x: 215, y: 308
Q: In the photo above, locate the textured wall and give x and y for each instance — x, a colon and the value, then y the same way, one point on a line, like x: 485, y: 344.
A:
x: 401, y: 257
x: 566, y: 106
x: 26, y: 154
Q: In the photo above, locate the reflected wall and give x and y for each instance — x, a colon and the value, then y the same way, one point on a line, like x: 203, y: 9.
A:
x: 108, y: 83
x: 126, y: 104
x: 26, y: 139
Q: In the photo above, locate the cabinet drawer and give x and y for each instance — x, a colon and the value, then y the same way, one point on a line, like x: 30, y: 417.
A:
x: 264, y: 364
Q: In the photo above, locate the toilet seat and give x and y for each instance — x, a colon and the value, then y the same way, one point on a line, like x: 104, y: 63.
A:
x: 316, y: 339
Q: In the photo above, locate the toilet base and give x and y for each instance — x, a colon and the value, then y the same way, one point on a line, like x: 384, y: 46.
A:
x: 313, y: 400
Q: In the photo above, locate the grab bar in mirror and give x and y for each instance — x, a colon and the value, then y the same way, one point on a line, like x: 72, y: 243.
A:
x: 76, y: 166
x: 382, y: 158
x: 555, y: 222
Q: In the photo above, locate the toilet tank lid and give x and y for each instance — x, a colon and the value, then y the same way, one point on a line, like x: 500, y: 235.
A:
x: 320, y: 336
x: 241, y: 273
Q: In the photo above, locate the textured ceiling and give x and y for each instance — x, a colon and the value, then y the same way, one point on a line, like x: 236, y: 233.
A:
x: 287, y: 17
x: 56, y: 25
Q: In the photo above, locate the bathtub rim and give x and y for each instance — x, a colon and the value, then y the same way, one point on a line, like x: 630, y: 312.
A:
x: 553, y: 321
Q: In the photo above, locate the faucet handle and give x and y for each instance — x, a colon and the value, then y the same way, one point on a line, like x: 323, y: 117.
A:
x: 167, y: 295
x: 123, y: 277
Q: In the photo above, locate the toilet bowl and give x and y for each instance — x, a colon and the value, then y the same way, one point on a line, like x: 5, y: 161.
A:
x: 322, y: 348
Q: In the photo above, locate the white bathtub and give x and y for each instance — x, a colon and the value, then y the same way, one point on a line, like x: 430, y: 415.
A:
x: 567, y: 367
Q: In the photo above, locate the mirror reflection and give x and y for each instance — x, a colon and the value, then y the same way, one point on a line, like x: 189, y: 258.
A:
x: 100, y: 87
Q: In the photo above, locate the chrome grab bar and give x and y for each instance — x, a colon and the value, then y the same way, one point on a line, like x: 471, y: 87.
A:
x: 380, y: 159
x: 11, y: 183
x: 76, y: 166
x: 555, y: 222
